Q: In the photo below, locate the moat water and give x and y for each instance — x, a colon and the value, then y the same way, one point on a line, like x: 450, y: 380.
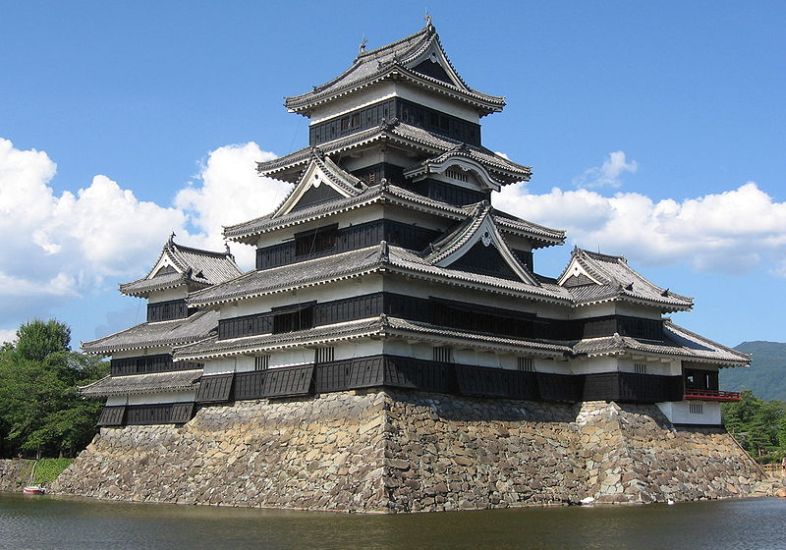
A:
x: 48, y: 523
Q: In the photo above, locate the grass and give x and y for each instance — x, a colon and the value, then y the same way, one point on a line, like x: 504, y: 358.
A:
x: 47, y: 469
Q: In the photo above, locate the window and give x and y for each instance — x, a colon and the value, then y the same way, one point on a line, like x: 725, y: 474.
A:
x: 313, y: 242
x: 443, y: 354
x: 696, y: 408
x: 640, y: 368
x: 292, y: 319
x: 325, y: 355
x: 261, y: 362
x: 525, y: 364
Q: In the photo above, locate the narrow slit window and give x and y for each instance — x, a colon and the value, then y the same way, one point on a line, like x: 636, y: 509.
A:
x: 325, y: 355
x: 640, y: 368
x: 443, y: 354
x: 696, y: 408
x: 261, y: 362
x: 526, y: 364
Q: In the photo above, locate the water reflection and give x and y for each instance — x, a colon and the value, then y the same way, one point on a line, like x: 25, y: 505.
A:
x: 47, y: 522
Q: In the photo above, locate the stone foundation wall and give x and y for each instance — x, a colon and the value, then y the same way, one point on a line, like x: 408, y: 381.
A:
x: 404, y: 451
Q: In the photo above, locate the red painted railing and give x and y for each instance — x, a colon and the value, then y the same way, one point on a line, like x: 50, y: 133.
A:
x: 711, y: 395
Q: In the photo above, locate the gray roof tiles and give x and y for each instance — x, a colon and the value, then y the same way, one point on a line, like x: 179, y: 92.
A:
x: 397, y: 58
x: 195, y: 267
x: 162, y: 334
x: 183, y: 380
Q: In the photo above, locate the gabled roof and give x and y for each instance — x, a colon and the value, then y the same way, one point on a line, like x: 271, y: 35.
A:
x: 418, y: 59
x: 396, y: 133
x: 154, y: 335
x: 459, y: 157
x: 175, y: 381
x: 478, y: 228
x: 320, y: 170
x: 678, y: 342
x: 540, y: 234
x: 594, y: 278
x: 182, y: 265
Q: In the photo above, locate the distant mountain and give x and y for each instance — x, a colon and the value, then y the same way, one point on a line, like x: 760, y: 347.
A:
x: 766, y: 376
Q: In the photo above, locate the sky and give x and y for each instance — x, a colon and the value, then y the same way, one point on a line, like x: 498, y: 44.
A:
x: 656, y: 131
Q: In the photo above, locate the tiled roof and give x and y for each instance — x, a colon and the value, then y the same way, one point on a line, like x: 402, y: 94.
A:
x: 512, y: 224
x: 280, y: 279
x: 290, y: 167
x: 195, y: 267
x: 390, y: 194
x: 395, y: 60
x: 364, y: 261
x: 678, y: 342
x: 162, y: 334
x: 459, y: 152
x: 377, y: 326
x: 467, y: 231
x: 619, y: 281
x: 213, y: 347
x: 143, y: 383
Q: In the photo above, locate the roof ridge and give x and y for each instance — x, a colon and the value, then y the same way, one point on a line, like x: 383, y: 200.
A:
x: 427, y: 29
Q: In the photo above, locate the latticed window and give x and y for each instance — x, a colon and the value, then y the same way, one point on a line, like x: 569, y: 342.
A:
x: 443, y: 354
x: 696, y: 408
x: 261, y: 362
x: 325, y: 355
x: 525, y: 364
x: 640, y: 368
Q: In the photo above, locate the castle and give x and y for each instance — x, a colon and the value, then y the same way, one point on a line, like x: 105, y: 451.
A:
x: 388, y: 271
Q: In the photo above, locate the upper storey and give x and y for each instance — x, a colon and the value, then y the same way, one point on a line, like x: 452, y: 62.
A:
x: 417, y: 72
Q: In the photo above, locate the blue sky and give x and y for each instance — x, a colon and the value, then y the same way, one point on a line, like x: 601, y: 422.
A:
x: 645, y: 124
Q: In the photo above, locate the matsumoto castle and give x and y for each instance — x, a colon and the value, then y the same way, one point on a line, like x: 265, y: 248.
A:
x: 387, y: 266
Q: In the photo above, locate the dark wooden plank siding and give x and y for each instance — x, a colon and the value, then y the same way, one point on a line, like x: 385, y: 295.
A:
x: 147, y: 364
x: 408, y: 111
x: 182, y: 412
x: 328, y: 240
x: 215, y: 388
x: 249, y: 385
x: 112, y: 416
x: 363, y: 372
x: 149, y: 414
x: 446, y: 192
x: 288, y: 381
x: 167, y: 311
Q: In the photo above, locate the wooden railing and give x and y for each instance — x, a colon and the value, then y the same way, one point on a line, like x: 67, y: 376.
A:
x: 711, y: 395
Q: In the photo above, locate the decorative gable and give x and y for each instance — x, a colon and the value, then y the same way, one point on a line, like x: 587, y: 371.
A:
x: 322, y: 181
x: 576, y: 275
x: 433, y: 62
x: 478, y: 247
x: 455, y: 165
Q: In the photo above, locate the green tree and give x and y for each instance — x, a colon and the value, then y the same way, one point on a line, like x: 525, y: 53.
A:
x: 38, y: 339
x: 42, y: 412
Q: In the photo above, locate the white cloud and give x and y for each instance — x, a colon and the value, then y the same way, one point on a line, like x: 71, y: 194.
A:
x: 56, y: 247
x: 732, y: 231
x: 227, y: 191
x: 7, y: 335
x: 608, y: 174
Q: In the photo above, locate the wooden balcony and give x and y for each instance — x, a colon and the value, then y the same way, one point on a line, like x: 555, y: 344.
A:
x: 711, y: 395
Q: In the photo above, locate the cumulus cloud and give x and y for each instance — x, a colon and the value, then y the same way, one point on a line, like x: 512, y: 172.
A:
x: 229, y: 191
x: 732, y: 231
x: 608, y: 174
x: 56, y: 247
x: 7, y: 335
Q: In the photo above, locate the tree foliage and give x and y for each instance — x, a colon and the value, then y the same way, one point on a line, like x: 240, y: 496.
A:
x: 759, y: 426
x: 42, y: 413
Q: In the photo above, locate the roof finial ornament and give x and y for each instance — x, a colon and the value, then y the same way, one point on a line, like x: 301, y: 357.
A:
x: 427, y: 18
x: 362, y: 47
x: 171, y: 239
x: 226, y: 249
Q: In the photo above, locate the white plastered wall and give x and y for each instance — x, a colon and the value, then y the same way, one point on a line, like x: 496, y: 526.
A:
x: 678, y: 412
x: 151, y: 398
x: 169, y: 294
